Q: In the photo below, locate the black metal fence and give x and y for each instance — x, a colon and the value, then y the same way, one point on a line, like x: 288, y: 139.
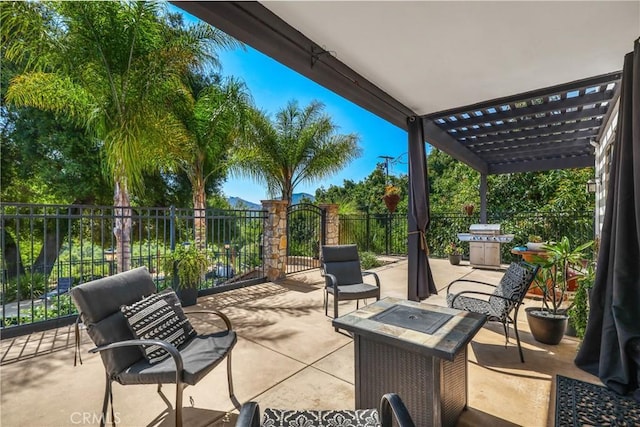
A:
x: 378, y: 233
x: 387, y: 233
x: 44, y: 247
x: 306, y: 231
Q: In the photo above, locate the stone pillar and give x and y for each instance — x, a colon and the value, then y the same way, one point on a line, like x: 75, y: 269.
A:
x: 332, y: 230
x: 274, y: 239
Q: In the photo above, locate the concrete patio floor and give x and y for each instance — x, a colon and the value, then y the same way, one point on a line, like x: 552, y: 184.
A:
x: 288, y: 355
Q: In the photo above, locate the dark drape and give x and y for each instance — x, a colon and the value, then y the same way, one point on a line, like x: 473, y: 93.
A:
x: 613, y: 328
x: 421, y: 283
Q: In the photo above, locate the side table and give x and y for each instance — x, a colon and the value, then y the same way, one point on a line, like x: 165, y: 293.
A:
x: 416, y: 350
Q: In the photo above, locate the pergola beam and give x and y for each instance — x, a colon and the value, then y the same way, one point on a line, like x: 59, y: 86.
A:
x: 517, y: 145
x: 520, y: 113
x: 588, y: 113
x: 544, y: 165
x: 445, y: 142
x: 567, y: 130
x: 575, y: 85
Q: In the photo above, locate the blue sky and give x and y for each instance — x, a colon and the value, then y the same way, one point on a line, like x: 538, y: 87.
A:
x: 273, y: 85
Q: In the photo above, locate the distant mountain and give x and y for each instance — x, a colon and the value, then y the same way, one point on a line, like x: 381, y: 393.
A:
x: 238, y: 203
x: 297, y: 198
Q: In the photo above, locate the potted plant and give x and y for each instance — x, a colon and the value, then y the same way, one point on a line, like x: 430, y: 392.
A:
x: 579, y: 311
x: 535, y: 243
x: 186, y: 265
x: 391, y: 197
x: 559, y: 261
x: 454, y: 252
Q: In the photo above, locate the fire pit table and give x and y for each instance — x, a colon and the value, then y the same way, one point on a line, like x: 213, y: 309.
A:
x: 416, y: 350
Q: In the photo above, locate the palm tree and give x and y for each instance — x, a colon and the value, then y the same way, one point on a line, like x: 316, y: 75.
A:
x: 213, y: 121
x: 112, y: 67
x: 301, y: 145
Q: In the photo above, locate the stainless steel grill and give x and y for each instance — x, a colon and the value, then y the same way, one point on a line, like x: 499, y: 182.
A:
x: 484, y: 244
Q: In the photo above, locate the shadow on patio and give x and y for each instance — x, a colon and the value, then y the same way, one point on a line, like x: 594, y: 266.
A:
x: 287, y: 355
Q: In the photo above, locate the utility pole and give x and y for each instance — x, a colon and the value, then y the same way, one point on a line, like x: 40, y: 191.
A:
x: 387, y: 159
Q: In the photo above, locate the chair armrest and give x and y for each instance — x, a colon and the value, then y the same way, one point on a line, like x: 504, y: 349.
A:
x: 391, y: 404
x: 333, y: 280
x: 249, y: 415
x: 470, y: 281
x: 375, y: 276
x: 173, y: 352
x: 227, y: 322
x: 481, y: 293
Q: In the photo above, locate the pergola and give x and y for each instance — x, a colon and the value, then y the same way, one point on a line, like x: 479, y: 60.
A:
x: 504, y: 87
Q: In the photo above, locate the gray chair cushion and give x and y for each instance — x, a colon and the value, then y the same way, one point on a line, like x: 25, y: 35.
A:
x: 357, y: 291
x: 340, y: 253
x: 199, y: 355
x: 99, y: 304
x: 343, y: 262
x: 103, y: 297
x: 109, y: 330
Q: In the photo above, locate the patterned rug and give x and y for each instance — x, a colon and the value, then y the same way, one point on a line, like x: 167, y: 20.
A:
x: 579, y: 403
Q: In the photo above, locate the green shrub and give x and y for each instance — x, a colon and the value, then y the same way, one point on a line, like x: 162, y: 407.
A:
x: 26, y: 284
x: 54, y: 309
x: 369, y: 260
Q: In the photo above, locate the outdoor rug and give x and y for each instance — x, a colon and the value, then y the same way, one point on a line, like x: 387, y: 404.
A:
x: 579, y: 403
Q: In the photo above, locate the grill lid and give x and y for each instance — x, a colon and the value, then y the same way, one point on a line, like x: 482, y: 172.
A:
x: 484, y: 228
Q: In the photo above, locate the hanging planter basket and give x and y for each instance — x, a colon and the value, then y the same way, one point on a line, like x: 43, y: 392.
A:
x: 391, y: 201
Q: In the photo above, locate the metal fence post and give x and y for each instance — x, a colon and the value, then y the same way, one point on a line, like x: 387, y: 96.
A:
x: 368, y: 229
x: 172, y: 227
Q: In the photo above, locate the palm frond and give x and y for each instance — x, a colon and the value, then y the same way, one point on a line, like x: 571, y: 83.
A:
x: 298, y: 145
x: 51, y: 92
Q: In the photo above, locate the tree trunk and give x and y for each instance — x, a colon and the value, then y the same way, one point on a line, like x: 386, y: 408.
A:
x: 11, y: 254
x: 199, y: 213
x: 48, y: 253
x: 287, y: 193
x: 122, y: 225
x: 56, y: 230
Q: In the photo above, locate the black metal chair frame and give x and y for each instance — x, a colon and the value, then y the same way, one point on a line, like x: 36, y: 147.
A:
x: 333, y: 286
x: 177, y: 358
x: 391, y: 406
x: 518, y: 302
x: 343, y: 296
x: 101, y: 301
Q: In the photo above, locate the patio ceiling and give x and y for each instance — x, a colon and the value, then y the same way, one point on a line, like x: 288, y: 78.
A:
x: 457, y: 65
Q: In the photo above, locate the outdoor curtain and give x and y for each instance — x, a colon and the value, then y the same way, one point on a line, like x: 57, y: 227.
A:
x: 421, y: 283
x: 611, y: 344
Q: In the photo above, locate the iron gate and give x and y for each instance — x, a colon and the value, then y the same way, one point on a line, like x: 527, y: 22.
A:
x: 305, y: 233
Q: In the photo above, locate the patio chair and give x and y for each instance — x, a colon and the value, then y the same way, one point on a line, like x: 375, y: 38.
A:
x: 344, y: 277
x: 506, y: 297
x: 62, y: 287
x: 104, y: 305
x: 391, y: 406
